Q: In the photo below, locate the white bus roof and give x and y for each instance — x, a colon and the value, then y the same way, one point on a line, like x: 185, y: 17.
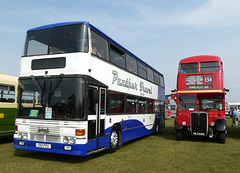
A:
x: 236, y: 103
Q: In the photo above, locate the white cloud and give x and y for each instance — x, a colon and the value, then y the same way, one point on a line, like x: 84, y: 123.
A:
x: 215, y: 13
x: 211, y: 14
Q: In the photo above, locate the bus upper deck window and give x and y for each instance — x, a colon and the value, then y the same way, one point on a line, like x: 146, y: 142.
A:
x: 99, y: 46
x: 209, y: 66
x: 189, y: 68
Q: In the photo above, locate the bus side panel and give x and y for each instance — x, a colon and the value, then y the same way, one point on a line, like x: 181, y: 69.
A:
x: 7, y: 121
x: 161, y: 93
x: 132, y: 129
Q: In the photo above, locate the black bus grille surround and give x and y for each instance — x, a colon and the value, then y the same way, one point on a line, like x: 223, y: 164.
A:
x: 199, y: 123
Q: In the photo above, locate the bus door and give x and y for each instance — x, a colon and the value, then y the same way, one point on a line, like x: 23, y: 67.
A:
x: 96, y: 116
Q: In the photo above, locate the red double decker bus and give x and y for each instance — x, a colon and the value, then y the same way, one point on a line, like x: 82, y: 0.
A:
x: 168, y: 113
x: 200, y: 98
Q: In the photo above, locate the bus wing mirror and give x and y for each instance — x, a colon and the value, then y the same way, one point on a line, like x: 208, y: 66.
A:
x: 227, y: 90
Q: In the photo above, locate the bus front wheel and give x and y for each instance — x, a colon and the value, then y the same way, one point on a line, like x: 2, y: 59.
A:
x: 222, y: 138
x: 179, y: 134
x: 114, y: 140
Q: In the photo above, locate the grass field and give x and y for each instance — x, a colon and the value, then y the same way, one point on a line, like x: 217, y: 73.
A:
x: 160, y: 153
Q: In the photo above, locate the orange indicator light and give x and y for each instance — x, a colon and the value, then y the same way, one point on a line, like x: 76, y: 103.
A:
x: 80, y: 132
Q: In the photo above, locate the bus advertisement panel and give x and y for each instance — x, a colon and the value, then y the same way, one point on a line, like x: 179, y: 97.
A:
x: 200, y: 98
x: 92, y: 94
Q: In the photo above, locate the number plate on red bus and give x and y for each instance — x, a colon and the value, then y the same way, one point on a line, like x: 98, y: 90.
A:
x: 43, y: 145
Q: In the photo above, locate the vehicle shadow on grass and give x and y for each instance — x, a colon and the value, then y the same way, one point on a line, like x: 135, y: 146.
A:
x: 6, y: 139
x: 67, y: 158
x: 168, y: 133
x: 56, y: 157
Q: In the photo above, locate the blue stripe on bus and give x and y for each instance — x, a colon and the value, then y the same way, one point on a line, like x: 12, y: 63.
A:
x: 58, y: 24
x: 135, y: 130
x: 77, y: 149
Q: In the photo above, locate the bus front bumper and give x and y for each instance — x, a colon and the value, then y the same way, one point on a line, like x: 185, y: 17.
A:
x: 74, y: 149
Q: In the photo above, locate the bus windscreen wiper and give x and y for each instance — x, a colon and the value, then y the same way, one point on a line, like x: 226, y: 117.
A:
x: 51, y: 91
x: 36, y: 82
x: 59, y: 80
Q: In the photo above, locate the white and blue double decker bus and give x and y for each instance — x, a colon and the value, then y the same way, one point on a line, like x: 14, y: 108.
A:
x: 81, y: 92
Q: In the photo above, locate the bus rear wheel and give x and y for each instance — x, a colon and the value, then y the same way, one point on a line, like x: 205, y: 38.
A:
x: 179, y: 135
x: 114, y: 140
x: 157, y: 128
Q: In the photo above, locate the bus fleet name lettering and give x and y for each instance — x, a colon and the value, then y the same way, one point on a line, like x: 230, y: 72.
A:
x: 128, y: 84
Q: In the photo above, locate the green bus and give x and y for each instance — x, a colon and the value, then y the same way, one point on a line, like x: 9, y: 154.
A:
x: 8, y: 104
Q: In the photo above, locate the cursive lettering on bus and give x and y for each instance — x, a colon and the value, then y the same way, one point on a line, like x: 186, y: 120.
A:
x: 128, y: 84
x: 123, y: 82
x: 145, y: 89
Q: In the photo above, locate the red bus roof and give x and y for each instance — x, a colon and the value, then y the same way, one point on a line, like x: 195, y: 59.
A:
x: 197, y: 81
x: 200, y: 58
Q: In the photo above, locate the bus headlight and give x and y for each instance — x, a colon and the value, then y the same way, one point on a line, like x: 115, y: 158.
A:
x: 71, y: 140
x: 65, y: 140
x: 212, y: 124
x: 25, y: 136
x: 184, y: 123
x: 20, y: 136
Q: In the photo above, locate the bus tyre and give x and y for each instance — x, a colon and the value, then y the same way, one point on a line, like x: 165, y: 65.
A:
x: 114, y: 140
x: 222, y: 138
x: 179, y: 135
x: 157, y: 128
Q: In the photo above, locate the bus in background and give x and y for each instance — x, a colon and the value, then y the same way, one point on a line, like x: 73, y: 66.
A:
x: 93, y: 94
x: 170, y: 107
x: 168, y: 113
x: 235, y: 105
x: 8, y: 104
x: 227, y: 110
x: 200, y: 98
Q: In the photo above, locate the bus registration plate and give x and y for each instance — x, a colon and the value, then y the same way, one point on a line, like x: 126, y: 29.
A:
x: 43, y: 145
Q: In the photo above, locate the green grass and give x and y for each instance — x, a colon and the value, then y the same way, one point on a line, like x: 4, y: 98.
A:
x: 160, y: 153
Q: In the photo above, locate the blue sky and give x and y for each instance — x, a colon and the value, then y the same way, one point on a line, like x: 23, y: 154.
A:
x: 160, y: 32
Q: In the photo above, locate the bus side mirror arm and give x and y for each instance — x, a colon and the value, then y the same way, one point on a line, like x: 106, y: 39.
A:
x: 173, y: 91
x: 227, y: 90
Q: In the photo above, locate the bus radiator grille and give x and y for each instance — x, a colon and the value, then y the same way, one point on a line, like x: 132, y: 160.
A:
x: 45, y: 134
x: 199, y: 123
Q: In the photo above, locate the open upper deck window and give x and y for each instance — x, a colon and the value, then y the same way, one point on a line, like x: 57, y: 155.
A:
x: 99, y: 46
x: 117, y: 56
x: 189, y: 68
